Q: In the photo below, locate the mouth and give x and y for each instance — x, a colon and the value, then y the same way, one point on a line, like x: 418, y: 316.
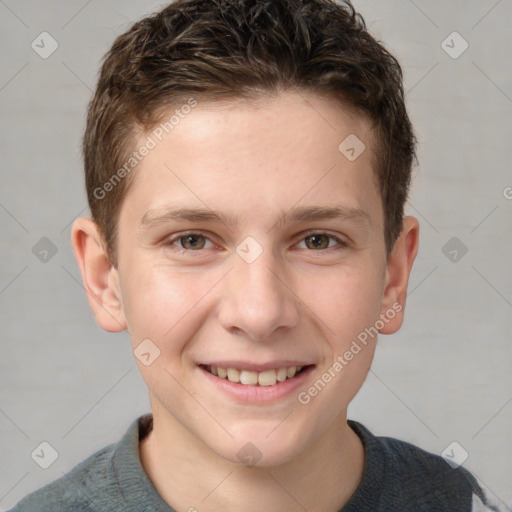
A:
x: 265, y: 378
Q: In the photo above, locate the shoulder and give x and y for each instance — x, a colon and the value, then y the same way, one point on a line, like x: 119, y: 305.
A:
x: 406, y: 477
x: 79, y: 489
x: 110, y: 479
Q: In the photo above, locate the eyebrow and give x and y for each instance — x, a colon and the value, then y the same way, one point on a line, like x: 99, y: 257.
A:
x: 304, y: 213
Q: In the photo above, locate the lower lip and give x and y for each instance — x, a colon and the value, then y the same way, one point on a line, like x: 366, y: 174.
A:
x: 255, y: 393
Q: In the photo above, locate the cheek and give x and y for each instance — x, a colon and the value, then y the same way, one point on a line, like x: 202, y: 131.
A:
x: 163, y: 306
x: 160, y: 303
x: 346, y: 301
x: 348, y: 311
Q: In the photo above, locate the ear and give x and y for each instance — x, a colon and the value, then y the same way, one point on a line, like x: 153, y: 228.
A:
x: 100, y: 277
x: 398, y: 269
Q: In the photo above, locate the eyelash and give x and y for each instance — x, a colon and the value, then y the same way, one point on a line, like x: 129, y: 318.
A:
x: 341, y: 244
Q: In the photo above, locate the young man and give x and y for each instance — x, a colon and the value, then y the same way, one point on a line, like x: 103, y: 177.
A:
x: 247, y: 165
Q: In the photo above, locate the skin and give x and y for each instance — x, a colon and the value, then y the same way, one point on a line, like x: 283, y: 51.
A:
x: 253, y: 162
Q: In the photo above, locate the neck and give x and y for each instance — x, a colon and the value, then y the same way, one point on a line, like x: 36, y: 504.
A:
x: 323, y: 477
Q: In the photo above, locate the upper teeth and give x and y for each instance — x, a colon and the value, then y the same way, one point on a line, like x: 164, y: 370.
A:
x: 265, y: 378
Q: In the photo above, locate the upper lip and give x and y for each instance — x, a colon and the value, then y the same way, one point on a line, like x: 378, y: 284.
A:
x: 257, y: 367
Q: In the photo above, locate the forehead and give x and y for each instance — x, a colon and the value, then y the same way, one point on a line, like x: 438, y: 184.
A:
x: 272, y: 151
x: 294, y: 116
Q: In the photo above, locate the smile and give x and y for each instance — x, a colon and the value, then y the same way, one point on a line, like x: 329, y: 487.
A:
x: 256, y: 383
x: 253, y: 378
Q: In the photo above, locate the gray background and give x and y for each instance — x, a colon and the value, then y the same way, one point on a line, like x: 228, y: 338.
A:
x: 444, y: 377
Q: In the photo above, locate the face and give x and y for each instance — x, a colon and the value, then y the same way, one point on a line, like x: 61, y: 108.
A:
x: 249, y: 241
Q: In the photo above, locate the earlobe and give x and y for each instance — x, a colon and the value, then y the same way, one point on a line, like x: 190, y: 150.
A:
x: 398, y: 269
x: 100, y: 277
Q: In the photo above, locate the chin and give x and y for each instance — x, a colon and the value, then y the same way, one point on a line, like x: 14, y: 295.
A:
x: 255, y: 447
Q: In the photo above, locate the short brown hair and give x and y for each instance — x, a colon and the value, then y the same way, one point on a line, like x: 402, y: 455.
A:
x: 213, y: 49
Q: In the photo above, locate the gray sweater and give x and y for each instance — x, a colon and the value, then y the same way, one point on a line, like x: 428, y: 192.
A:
x: 397, y: 476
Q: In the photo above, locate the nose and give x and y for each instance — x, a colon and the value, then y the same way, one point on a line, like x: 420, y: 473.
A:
x: 258, y: 302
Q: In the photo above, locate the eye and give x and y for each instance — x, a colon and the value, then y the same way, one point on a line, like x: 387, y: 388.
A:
x: 195, y: 241
x: 190, y: 241
x: 321, y: 241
